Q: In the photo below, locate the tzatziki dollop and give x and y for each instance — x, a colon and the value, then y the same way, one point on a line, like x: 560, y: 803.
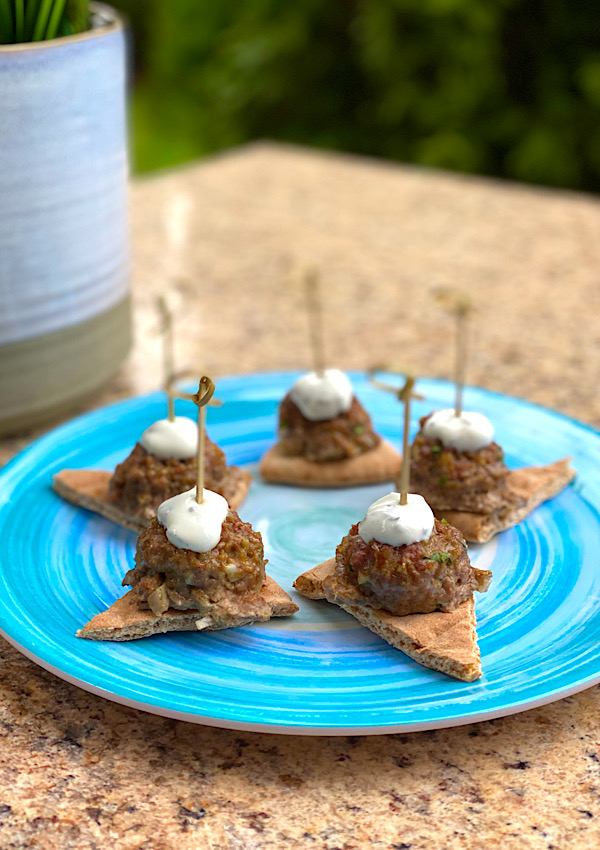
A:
x: 468, y: 432
x: 166, y: 439
x: 321, y: 397
x: 190, y: 525
x: 387, y: 521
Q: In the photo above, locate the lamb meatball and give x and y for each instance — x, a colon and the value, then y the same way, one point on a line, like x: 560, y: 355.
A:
x: 143, y: 481
x: 194, y: 580
x: 344, y: 436
x: 449, y: 479
x: 418, y: 578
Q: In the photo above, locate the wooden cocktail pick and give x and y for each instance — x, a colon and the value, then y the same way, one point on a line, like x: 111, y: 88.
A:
x: 186, y: 375
x: 460, y: 305
x: 315, y: 320
x: 404, y: 394
x: 206, y: 389
x: 203, y: 397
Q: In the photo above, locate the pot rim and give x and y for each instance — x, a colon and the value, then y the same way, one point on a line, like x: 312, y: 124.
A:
x: 108, y: 20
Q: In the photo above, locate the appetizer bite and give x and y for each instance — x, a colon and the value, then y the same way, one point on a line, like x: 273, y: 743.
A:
x: 467, y: 482
x: 459, y: 469
x: 326, y: 437
x: 197, y: 566
x: 406, y: 576
x: 161, y: 465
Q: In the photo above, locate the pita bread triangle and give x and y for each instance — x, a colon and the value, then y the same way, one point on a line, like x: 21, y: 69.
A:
x: 373, y: 467
x: 125, y: 620
x: 533, y: 485
x: 89, y: 488
x: 440, y: 641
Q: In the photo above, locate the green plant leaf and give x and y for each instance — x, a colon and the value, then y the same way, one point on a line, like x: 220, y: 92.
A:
x: 7, y: 29
x: 77, y: 15
x: 31, y: 13
x: 19, y: 20
x: 55, y: 17
x: 42, y: 20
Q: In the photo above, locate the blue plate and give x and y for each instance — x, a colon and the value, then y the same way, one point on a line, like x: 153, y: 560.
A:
x: 318, y: 672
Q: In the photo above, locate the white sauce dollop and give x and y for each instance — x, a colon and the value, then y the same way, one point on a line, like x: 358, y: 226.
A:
x: 177, y: 439
x: 468, y: 432
x: 321, y: 397
x: 387, y: 521
x: 193, y: 526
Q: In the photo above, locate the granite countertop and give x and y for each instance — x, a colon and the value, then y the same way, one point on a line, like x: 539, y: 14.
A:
x: 77, y: 771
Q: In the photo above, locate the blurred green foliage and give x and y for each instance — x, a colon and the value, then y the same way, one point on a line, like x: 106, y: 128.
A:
x: 509, y: 88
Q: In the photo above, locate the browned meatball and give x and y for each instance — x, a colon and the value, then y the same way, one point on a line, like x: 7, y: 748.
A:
x: 143, y: 481
x: 433, y: 575
x: 346, y: 435
x: 196, y: 579
x: 449, y: 479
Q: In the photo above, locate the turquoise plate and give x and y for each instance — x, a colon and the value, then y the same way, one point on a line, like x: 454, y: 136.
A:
x: 318, y: 672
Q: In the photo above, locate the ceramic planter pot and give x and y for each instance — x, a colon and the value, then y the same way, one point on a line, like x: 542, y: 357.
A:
x: 64, y: 240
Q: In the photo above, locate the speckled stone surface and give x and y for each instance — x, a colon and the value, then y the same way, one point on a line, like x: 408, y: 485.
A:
x: 79, y: 772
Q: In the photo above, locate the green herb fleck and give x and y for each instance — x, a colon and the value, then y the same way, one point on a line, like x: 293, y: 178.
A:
x: 436, y: 449
x: 440, y: 558
x: 443, y: 480
x: 500, y: 455
x: 359, y: 429
x: 445, y: 522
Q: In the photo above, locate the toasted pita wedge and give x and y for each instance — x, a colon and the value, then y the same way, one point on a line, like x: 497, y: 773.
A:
x: 533, y: 484
x: 377, y: 465
x: 124, y: 620
x: 310, y: 583
x: 88, y: 488
x: 443, y: 642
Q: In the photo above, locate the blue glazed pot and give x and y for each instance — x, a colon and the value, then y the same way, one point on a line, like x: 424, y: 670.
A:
x: 64, y: 239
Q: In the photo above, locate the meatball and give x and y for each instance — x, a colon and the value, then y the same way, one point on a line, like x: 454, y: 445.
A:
x: 143, y: 481
x: 344, y: 436
x: 195, y: 580
x: 449, y: 479
x: 418, y: 578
